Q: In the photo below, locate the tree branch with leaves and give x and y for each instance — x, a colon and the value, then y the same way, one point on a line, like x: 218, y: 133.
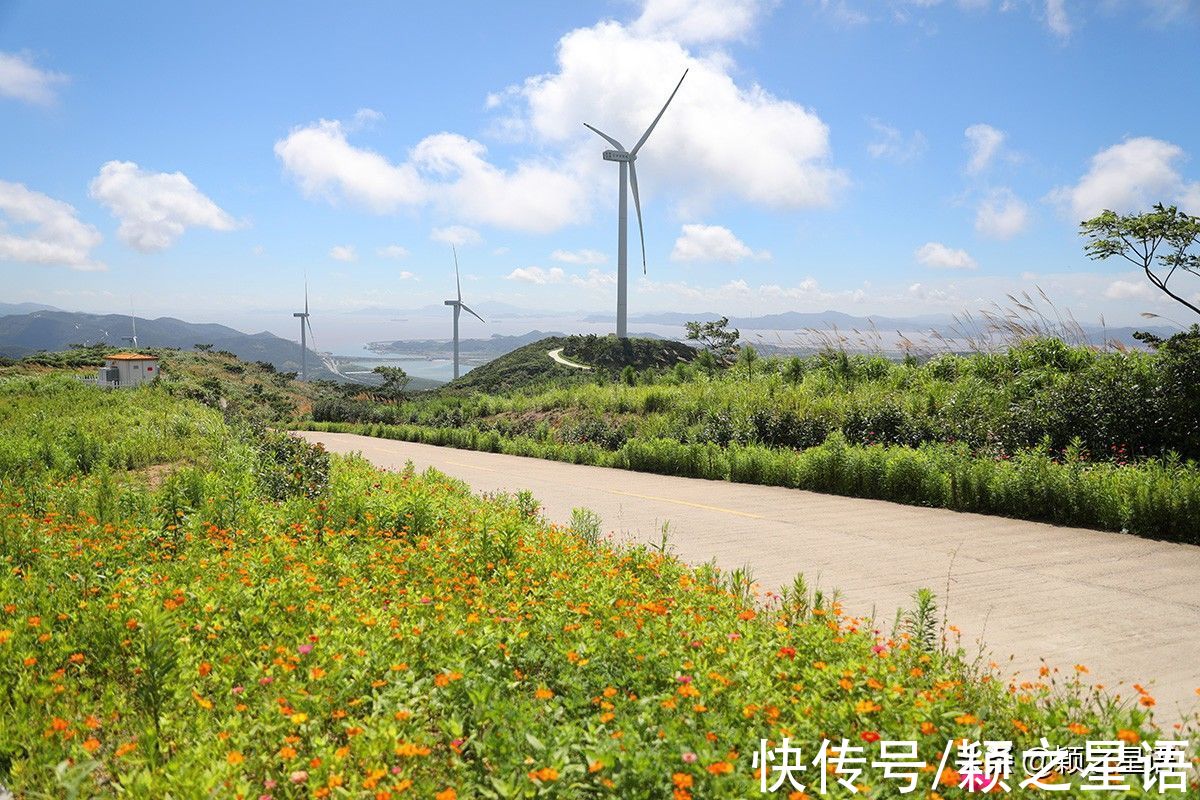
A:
x: 1138, y: 238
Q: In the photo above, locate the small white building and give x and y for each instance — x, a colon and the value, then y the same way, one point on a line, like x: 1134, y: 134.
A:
x: 128, y: 369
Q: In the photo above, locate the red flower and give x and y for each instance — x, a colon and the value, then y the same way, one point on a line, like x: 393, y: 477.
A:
x: 869, y: 736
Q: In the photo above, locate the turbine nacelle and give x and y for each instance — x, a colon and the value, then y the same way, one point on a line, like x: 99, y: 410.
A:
x: 617, y: 155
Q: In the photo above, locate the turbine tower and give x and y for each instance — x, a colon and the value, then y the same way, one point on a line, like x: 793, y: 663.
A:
x: 627, y: 159
x: 305, y: 328
x: 459, y: 306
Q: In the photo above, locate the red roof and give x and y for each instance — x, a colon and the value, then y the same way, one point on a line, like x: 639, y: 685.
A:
x: 130, y: 357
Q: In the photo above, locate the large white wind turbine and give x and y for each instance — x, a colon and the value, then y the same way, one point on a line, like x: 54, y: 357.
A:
x: 459, y: 306
x: 133, y: 321
x: 627, y: 159
x: 305, y: 329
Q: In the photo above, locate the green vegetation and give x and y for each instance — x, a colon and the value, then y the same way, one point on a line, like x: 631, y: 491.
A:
x: 530, y: 366
x: 260, y: 620
x: 1042, y: 431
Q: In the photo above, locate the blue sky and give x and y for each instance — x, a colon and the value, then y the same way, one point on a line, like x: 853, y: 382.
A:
x: 892, y: 156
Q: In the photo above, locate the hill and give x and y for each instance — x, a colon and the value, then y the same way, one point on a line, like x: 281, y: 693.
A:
x: 531, y: 365
x: 25, y: 334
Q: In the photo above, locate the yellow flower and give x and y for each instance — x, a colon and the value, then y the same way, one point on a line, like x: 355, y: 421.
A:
x: 299, y: 719
x: 235, y: 758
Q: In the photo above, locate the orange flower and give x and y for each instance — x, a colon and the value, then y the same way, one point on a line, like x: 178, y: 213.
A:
x: 126, y: 749
x: 92, y: 745
x: 1126, y: 735
x: 235, y: 758
x: 545, y: 774
x: 747, y: 615
x: 543, y: 693
x: 5, y: 635
x: 1147, y: 700
x: 927, y: 728
x: 446, y: 794
x: 682, y: 780
x: 1077, y: 729
x: 720, y: 768
x: 205, y: 668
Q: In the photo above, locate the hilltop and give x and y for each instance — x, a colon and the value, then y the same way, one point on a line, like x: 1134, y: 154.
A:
x: 531, y: 365
x: 23, y: 334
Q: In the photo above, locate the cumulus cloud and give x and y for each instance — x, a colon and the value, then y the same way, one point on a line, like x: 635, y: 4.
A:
x: 392, y: 251
x: 936, y: 254
x: 1128, y: 290
x: 21, y: 80
x: 892, y: 145
x: 1130, y: 176
x: 457, y: 235
x: 446, y: 170
x: 712, y: 243
x: 51, y: 233
x: 155, y: 208
x: 579, y: 256
x: 537, y: 275
x: 343, y: 252
x: 698, y: 21
x: 717, y: 138
x: 595, y: 279
x: 1001, y: 214
x: 983, y: 142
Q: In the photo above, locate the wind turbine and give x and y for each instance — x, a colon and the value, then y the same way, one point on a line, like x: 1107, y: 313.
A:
x: 627, y: 159
x: 133, y: 320
x: 305, y: 328
x: 459, y: 306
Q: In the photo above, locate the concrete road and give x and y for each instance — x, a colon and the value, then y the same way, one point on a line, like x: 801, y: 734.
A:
x: 1126, y: 608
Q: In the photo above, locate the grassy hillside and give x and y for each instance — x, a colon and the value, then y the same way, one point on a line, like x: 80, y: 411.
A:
x: 1043, y: 431
x: 531, y: 366
x: 52, y: 330
x: 260, y: 620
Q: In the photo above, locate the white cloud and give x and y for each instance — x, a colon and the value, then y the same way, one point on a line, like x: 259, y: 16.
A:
x: 1056, y: 18
x: 392, y: 251
x: 936, y: 254
x: 21, y: 80
x: 712, y: 243
x: 1130, y: 176
x: 536, y: 275
x: 1128, y: 290
x: 579, y: 256
x: 698, y: 21
x: 893, y: 145
x: 595, y: 279
x: 56, y: 236
x: 155, y: 208
x: 406, y: 275
x: 343, y: 252
x: 446, y: 170
x: 458, y: 235
x: 1001, y: 215
x: 983, y: 141
x: 717, y: 138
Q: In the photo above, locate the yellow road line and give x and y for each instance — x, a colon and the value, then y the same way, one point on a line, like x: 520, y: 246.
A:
x: 686, y: 503
x: 470, y: 466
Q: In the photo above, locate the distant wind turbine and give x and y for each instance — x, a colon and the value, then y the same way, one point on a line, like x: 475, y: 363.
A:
x: 133, y: 320
x: 459, y: 306
x: 627, y: 159
x: 305, y: 329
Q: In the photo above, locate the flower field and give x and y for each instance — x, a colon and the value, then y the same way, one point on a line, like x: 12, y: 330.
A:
x: 193, y: 608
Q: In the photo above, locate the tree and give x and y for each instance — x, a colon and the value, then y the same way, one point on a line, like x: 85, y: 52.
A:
x: 1137, y: 239
x: 394, y: 381
x: 715, y: 337
x: 747, y: 357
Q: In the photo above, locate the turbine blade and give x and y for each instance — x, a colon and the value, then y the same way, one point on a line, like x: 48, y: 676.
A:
x: 646, y: 135
x: 457, y: 281
x: 637, y: 204
x: 306, y: 295
x: 312, y: 340
x: 467, y: 309
x: 606, y: 137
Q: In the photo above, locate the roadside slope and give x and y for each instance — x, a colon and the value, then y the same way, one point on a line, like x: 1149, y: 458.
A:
x: 1120, y: 605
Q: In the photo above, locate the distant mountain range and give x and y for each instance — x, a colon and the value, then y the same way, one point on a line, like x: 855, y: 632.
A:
x: 23, y: 334
x: 470, y: 350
